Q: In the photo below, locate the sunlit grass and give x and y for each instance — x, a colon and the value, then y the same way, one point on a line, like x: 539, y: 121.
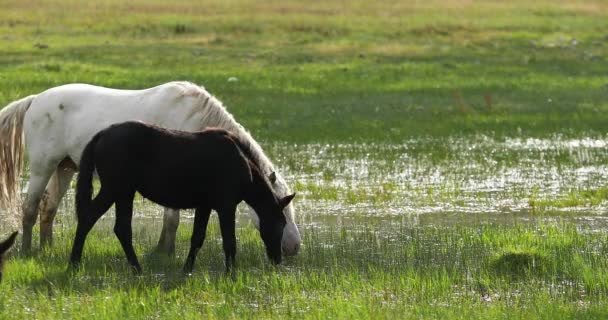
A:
x: 356, y: 270
x: 369, y: 72
x: 449, y: 156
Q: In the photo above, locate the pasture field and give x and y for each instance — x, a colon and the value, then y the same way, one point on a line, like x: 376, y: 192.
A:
x: 450, y: 157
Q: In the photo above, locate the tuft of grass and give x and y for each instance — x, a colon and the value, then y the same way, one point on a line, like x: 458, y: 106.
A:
x: 575, y: 198
x: 520, y: 263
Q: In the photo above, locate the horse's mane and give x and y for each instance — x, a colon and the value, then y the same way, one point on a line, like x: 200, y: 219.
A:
x: 249, y: 155
x: 214, y: 114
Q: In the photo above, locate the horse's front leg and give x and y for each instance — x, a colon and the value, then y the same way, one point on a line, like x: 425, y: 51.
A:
x: 199, y: 229
x: 56, y: 189
x: 166, y: 242
x: 227, y: 226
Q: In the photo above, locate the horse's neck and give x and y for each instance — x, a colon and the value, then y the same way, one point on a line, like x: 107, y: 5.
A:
x: 216, y: 115
x: 258, y: 194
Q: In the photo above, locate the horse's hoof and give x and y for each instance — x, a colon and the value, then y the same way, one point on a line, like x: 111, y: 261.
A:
x: 26, y: 251
x: 137, y: 270
x: 73, y: 267
x: 231, y: 274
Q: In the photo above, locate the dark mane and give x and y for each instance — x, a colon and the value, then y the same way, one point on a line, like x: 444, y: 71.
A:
x: 253, y: 162
x: 243, y: 146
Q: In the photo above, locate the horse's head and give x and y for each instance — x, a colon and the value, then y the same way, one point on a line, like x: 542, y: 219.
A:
x: 271, y: 228
x: 4, y: 247
x: 291, y: 235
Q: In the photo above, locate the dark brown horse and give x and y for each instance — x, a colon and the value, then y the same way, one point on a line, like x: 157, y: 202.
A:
x: 204, y: 170
x: 4, y: 246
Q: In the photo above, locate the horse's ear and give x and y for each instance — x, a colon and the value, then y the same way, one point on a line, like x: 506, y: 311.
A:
x: 8, y: 243
x: 272, y: 177
x: 286, y: 200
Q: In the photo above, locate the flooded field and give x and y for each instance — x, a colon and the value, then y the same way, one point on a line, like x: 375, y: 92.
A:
x: 450, y: 157
x: 458, y: 180
x: 430, y: 183
x: 464, y: 221
x: 472, y: 180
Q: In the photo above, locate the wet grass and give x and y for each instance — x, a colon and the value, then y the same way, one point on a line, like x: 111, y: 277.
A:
x: 459, y: 174
x: 576, y: 198
x: 450, y: 157
x: 534, y: 271
x: 380, y: 240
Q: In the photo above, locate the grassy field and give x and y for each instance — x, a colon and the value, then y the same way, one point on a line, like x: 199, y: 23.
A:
x: 451, y: 157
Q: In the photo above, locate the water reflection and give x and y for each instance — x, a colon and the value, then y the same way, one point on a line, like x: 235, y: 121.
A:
x: 439, y: 181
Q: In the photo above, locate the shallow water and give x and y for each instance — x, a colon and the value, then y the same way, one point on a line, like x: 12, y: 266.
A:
x: 461, y: 180
x: 436, y: 181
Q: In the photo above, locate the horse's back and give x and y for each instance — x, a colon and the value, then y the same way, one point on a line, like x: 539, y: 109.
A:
x: 80, y: 95
x: 173, y: 168
x: 61, y: 120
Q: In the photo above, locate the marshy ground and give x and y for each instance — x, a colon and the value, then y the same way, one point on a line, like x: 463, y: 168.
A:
x: 450, y: 158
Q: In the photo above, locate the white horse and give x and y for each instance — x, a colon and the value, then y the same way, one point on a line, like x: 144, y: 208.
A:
x: 59, y: 122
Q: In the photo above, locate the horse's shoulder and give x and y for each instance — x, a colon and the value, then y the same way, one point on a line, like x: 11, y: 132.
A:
x: 181, y: 89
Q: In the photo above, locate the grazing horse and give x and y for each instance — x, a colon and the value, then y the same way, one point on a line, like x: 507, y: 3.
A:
x: 210, y: 169
x: 59, y: 122
x: 4, y: 246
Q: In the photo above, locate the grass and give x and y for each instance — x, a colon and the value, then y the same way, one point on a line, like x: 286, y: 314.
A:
x: 449, y: 156
x: 376, y: 72
x: 586, y: 197
x: 364, y: 271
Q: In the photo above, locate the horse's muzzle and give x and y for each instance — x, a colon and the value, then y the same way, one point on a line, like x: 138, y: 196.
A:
x: 291, y: 250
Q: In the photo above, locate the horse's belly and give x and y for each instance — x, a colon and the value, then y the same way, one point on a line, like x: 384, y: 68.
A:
x: 172, y: 198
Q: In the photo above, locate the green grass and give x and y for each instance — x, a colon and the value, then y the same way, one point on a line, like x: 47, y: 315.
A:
x: 587, y: 197
x: 321, y: 72
x: 449, y: 156
x: 378, y: 270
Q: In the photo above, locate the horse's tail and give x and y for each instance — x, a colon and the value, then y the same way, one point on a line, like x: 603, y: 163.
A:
x: 84, y: 185
x: 11, y: 151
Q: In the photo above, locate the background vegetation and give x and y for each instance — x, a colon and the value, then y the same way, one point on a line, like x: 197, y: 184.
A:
x: 450, y: 156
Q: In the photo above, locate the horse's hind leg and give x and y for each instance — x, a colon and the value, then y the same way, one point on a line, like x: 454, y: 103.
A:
x: 201, y: 218
x: 39, y: 177
x: 102, y: 202
x: 123, y: 230
x: 56, y: 189
x: 166, y: 242
x: 227, y: 226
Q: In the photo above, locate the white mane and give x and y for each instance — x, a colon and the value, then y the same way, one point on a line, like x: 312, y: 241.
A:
x: 214, y: 114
